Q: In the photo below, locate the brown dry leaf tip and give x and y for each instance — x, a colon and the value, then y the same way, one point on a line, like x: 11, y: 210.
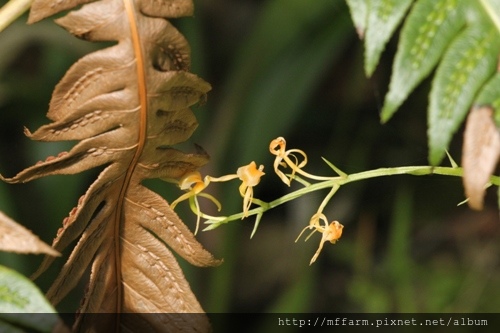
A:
x: 16, y: 238
x: 330, y: 232
x: 481, y: 151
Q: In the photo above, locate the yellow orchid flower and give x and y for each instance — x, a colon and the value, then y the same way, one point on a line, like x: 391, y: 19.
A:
x: 277, y: 147
x: 284, y: 159
x: 331, y: 232
x: 194, y: 184
x: 250, y: 176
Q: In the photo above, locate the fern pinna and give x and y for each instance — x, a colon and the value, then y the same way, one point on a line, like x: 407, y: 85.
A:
x: 127, y: 105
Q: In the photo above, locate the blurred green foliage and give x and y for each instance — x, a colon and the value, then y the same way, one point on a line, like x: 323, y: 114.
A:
x: 289, y: 68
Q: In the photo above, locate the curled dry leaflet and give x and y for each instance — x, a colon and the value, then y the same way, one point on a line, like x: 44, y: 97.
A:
x: 126, y: 105
x: 481, y: 151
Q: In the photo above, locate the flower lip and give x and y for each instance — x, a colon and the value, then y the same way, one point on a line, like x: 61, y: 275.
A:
x: 333, y: 232
x: 190, y: 179
x: 277, y: 146
x: 249, y: 174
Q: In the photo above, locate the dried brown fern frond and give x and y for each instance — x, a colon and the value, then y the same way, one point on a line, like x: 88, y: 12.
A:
x: 127, y: 105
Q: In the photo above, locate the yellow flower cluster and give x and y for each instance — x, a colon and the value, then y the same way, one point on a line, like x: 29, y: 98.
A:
x: 194, y: 184
x: 250, y: 176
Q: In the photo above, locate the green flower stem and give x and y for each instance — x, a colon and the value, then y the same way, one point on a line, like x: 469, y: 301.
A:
x: 335, y: 182
x: 12, y: 10
x: 325, y: 201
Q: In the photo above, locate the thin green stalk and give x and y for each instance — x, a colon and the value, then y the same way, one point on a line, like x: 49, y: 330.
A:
x: 334, y: 182
x: 12, y: 10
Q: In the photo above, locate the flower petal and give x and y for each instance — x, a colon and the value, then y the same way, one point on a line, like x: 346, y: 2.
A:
x: 249, y: 174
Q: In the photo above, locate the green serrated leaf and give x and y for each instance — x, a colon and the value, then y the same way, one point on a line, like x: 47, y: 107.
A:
x: 428, y: 30
x: 490, y: 95
x: 383, y: 18
x: 467, y: 64
x: 492, y: 8
x: 359, y: 14
x: 22, y: 303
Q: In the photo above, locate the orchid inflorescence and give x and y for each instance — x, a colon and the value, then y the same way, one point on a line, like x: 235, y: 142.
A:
x: 250, y: 176
x: 294, y: 160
